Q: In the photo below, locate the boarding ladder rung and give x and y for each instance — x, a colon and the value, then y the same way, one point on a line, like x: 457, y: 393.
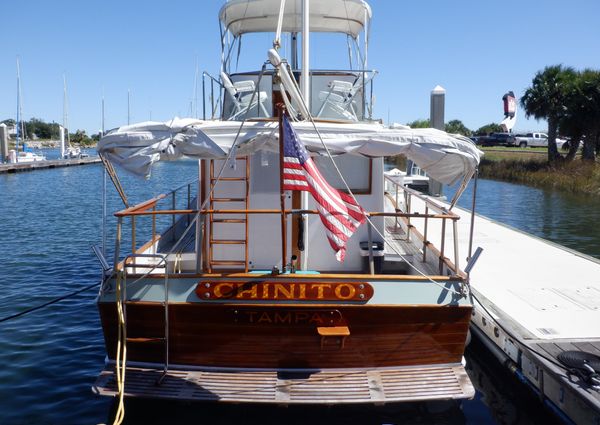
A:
x: 130, y: 264
x: 233, y: 190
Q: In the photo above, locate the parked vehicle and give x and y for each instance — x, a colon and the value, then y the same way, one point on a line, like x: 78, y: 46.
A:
x: 536, y: 139
x: 496, y: 139
x: 531, y: 139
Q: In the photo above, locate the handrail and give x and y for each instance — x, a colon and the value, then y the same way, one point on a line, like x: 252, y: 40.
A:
x: 431, y: 204
x: 141, y: 207
x: 277, y: 211
x: 213, y: 104
x: 438, y: 212
x: 145, y: 205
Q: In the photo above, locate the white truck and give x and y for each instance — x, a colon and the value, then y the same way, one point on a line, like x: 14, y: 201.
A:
x: 531, y: 139
x: 535, y: 139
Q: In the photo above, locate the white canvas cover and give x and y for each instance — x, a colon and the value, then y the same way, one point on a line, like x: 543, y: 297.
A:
x: 445, y: 157
x: 343, y: 16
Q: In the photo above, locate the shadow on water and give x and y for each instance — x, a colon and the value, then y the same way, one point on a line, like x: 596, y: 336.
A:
x: 164, y: 412
x: 507, y: 400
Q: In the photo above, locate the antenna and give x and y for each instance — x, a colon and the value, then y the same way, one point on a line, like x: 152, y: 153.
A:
x: 66, y: 109
x: 18, y: 124
x: 195, y: 115
x: 128, y: 106
x: 102, y: 123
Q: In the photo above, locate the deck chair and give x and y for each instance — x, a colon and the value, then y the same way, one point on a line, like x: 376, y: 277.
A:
x: 241, y: 95
x: 340, y: 96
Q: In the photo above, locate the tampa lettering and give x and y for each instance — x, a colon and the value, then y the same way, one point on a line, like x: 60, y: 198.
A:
x: 286, y: 318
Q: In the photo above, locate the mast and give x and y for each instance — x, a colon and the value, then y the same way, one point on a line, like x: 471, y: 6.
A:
x: 128, y: 106
x: 305, y: 87
x: 104, y: 206
x: 65, y: 112
x: 305, y: 77
x: 18, y: 123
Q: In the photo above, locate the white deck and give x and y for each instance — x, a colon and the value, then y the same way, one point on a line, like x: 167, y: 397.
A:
x: 547, y: 291
x: 550, y: 291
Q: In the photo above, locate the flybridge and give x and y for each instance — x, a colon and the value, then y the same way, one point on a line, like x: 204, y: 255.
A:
x: 343, y: 16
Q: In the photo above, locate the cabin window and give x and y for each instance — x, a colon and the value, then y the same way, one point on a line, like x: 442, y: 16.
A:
x: 355, y: 169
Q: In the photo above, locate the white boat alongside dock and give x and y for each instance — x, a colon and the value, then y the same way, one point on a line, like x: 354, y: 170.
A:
x: 535, y: 300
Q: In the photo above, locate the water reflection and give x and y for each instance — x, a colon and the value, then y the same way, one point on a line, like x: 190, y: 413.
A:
x: 567, y: 219
x: 145, y: 412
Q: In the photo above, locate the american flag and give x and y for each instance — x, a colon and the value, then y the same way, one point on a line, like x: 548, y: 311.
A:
x: 339, y: 213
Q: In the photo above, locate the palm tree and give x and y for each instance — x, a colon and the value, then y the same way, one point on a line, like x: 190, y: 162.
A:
x: 545, y: 99
x: 590, y: 110
x: 582, y: 117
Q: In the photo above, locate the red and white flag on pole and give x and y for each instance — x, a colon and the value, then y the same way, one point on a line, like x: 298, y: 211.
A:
x: 339, y: 213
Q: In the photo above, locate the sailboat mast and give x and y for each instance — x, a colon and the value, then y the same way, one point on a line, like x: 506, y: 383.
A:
x: 66, y: 110
x: 18, y: 123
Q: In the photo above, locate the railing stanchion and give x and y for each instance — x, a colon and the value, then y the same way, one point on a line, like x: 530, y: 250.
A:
x: 443, y: 244
x: 173, y: 216
x: 425, y: 234
x: 189, y: 200
x: 408, y: 209
x: 154, y: 230
x: 118, y: 243
x: 397, y: 208
x: 212, y: 99
x: 132, y: 234
x: 455, y: 237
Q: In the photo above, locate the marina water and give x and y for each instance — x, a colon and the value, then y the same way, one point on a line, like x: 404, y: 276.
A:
x: 49, y: 219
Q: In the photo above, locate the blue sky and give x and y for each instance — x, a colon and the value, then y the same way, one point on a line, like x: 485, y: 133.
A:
x: 477, y: 50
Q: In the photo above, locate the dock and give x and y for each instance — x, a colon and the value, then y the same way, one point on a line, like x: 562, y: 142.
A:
x: 52, y: 163
x: 534, y: 300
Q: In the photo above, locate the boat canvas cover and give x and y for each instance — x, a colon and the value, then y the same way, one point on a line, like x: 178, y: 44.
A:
x: 342, y: 16
x: 445, y: 157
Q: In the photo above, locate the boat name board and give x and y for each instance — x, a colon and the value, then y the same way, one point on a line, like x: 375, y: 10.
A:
x: 285, y: 291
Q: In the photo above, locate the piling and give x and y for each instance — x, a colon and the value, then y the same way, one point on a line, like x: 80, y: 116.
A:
x: 436, y: 118
x: 61, y: 131
x: 3, y: 143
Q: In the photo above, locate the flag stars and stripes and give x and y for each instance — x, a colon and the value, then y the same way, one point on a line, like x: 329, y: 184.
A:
x: 339, y: 213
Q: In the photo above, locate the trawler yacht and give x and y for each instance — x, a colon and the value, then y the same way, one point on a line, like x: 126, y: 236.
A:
x: 287, y: 273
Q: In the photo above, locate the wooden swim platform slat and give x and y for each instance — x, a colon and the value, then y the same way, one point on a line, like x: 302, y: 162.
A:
x: 374, y: 386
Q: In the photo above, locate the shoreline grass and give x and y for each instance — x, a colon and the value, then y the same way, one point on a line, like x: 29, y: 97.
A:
x: 530, y: 167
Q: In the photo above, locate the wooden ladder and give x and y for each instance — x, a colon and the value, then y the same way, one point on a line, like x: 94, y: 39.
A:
x: 226, y: 219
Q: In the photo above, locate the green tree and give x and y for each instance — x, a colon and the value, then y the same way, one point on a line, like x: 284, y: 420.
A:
x: 581, y: 120
x: 81, y: 138
x: 457, y: 127
x: 489, y: 128
x: 419, y: 124
x: 589, y: 83
x: 9, y: 122
x: 547, y: 98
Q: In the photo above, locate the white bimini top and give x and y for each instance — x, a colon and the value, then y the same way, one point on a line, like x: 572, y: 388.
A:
x: 341, y: 16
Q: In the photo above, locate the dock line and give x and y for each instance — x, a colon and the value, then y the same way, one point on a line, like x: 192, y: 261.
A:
x: 46, y: 304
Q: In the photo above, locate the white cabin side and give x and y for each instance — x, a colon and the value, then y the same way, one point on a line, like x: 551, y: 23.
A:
x: 263, y: 242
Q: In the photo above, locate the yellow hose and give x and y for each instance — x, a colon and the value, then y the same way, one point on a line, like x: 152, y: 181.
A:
x: 121, y: 356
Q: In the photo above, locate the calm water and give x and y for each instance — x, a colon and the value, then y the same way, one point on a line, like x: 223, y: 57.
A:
x: 50, y: 358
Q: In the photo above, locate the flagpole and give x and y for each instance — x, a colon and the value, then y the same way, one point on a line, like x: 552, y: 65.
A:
x: 281, y: 111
